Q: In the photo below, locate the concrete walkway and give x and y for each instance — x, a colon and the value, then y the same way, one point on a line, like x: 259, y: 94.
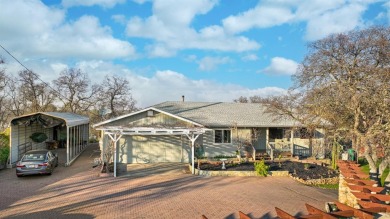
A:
x: 162, y: 169
x: 78, y: 192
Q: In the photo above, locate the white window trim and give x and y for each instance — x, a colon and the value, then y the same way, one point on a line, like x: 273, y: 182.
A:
x: 231, y: 139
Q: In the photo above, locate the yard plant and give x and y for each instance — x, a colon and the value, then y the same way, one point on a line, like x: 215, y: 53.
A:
x: 261, y: 168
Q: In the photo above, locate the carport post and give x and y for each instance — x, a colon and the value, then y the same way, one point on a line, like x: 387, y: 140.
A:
x: 193, y: 138
x: 115, y: 139
x: 67, y: 146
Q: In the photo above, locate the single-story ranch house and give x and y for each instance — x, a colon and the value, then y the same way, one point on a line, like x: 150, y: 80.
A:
x: 167, y: 131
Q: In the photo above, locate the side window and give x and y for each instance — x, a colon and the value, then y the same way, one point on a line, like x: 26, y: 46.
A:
x: 222, y: 136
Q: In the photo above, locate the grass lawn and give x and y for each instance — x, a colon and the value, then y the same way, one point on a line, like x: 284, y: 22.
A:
x: 366, y: 168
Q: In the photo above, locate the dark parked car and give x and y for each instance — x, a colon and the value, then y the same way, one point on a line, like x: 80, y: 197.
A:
x: 36, y: 162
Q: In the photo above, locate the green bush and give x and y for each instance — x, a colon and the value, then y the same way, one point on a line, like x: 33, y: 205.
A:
x: 93, y: 140
x: 4, y: 147
x: 4, y: 153
x: 38, y: 137
x: 261, y: 168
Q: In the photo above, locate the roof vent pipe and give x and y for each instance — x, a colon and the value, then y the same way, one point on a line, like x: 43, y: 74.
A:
x: 182, y: 98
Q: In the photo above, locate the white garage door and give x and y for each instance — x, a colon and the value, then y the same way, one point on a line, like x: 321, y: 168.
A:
x: 155, y: 149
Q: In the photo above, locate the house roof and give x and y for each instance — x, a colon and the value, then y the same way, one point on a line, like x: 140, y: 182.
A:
x: 144, y: 110
x: 71, y: 119
x: 222, y: 114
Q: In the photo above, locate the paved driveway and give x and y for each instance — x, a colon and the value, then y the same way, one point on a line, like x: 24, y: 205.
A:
x: 78, y: 192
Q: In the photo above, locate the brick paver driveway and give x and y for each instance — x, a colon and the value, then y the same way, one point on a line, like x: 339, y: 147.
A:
x: 78, y: 192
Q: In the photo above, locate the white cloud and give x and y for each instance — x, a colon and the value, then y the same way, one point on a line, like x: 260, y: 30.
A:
x: 250, y: 57
x: 281, y: 66
x: 163, y: 27
x: 387, y: 5
x: 102, y: 3
x: 171, y: 85
x: 119, y: 18
x: 30, y: 29
x: 322, y: 17
x: 210, y: 63
x: 259, y: 17
x: 335, y: 21
x: 140, y: 1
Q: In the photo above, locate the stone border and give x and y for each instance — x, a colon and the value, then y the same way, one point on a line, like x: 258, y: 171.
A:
x: 311, y: 182
x: 237, y: 173
x: 333, y: 180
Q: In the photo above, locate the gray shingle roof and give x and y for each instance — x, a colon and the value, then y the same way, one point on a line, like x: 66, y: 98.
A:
x: 220, y: 114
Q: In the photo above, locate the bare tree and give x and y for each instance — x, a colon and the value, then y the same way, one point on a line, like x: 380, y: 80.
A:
x: 4, y: 112
x: 75, y: 91
x: 241, y: 99
x: 244, y: 139
x: 347, y: 77
x: 116, y: 96
x: 37, y: 94
x: 252, y: 99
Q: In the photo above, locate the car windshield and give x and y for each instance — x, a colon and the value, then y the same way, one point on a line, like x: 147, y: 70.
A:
x: 33, y: 157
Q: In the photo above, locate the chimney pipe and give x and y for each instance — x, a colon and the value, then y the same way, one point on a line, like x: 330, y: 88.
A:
x: 182, y: 98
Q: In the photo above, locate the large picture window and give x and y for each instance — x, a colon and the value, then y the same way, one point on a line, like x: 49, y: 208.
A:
x: 222, y: 136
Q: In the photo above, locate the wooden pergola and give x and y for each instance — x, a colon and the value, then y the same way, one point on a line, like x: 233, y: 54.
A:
x: 115, y: 133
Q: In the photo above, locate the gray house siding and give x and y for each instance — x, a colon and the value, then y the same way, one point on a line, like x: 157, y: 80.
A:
x: 142, y: 119
x: 213, y: 149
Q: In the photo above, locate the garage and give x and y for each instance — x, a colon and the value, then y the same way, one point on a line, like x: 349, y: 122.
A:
x: 149, y: 136
x: 154, y: 149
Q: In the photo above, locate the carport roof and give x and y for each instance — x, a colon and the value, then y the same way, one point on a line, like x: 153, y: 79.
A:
x: 71, y: 119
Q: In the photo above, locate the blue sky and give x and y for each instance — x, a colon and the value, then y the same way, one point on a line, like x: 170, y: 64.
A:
x: 207, y: 50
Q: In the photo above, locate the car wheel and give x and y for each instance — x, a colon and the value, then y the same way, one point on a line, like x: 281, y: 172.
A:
x: 57, y: 163
x: 19, y: 175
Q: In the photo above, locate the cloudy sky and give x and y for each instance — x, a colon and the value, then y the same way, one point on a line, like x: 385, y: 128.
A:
x: 207, y: 50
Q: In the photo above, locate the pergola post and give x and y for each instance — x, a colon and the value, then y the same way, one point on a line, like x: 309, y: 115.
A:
x: 292, y: 141
x: 193, y: 138
x: 115, y: 138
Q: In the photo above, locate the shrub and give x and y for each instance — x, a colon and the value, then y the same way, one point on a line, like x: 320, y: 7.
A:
x: 38, y: 137
x: 93, y: 140
x: 4, y: 153
x: 4, y: 147
x: 261, y: 168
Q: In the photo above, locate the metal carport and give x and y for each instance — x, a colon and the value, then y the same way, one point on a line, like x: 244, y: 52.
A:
x: 70, y: 130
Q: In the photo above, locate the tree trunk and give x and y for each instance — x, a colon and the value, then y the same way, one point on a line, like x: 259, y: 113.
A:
x: 334, y: 154
x: 373, y: 168
x: 383, y: 165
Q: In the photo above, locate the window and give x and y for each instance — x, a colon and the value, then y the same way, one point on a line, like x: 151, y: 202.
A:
x: 222, y: 136
x: 304, y: 133
x: 275, y: 133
